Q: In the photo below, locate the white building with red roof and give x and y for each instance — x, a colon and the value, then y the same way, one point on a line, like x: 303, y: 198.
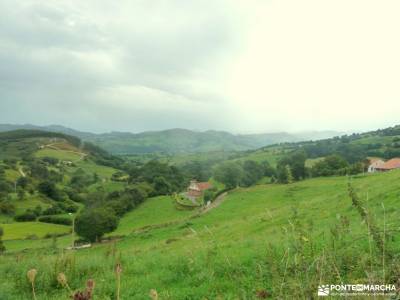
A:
x: 391, y: 164
x: 196, y: 188
x: 375, y: 164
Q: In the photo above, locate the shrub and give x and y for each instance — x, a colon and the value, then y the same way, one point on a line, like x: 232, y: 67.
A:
x: 50, y: 190
x: 50, y: 160
x: 53, y: 210
x: 54, y: 235
x: 73, y: 195
x: 7, y: 207
x: 55, y: 220
x: 330, y: 165
x: 22, y: 182
x: 26, y: 217
x: 209, y: 195
x: 119, y: 207
x: 71, y: 208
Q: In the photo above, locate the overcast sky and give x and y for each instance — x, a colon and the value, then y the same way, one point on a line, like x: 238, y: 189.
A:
x: 242, y: 66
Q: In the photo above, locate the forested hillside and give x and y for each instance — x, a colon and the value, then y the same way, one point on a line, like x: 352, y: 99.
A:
x: 175, y: 141
x: 49, y: 179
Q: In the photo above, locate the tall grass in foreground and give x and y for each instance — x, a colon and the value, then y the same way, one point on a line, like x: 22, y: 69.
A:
x: 304, y: 258
x: 337, y: 258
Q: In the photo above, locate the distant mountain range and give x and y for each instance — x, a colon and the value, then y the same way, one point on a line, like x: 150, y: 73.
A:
x: 179, y: 140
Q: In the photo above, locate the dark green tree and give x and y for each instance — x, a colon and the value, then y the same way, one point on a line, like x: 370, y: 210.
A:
x: 284, y: 174
x: 330, y: 165
x: 49, y: 189
x: 161, y: 186
x: 268, y: 169
x: 252, y: 173
x: 39, y: 170
x: 229, y: 173
x: 296, y: 162
x: 92, y: 224
x: 22, y: 182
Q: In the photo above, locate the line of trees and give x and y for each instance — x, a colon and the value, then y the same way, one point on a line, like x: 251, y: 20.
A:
x: 233, y: 174
x: 292, y: 167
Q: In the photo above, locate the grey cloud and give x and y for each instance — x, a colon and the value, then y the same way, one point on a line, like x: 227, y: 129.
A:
x: 59, y: 55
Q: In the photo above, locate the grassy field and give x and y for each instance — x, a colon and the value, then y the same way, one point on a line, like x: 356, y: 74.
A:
x: 153, y: 211
x: 86, y: 164
x: 12, y: 175
x: 59, y: 154
x: 271, y: 154
x: 257, y: 241
x: 30, y: 201
x: 91, y: 167
x: 22, y: 230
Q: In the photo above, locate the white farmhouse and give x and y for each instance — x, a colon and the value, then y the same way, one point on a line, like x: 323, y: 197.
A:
x: 375, y: 164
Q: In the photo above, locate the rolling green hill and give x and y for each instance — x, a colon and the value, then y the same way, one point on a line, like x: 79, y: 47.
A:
x: 179, y: 141
x: 384, y: 143
x: 257, y: 240
x: 248, y: 245
x: 29, y: 158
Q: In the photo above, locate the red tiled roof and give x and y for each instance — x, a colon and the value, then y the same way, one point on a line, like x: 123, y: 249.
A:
x: 204, y: 185
x: 394, y: 163
x: 373, y: 160
x: 376, y: 163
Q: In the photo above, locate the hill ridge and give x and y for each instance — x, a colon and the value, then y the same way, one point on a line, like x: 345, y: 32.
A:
x: 178, y: 140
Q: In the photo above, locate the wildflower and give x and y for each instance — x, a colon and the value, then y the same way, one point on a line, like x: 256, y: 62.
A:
x: 82, y: 296
x: 153, y: 294
x: 62, y: 280
x: 262, y: 294
x: 118, y: 269
x: 90, y: 284
x: 87, y: 294
x: 31, y: 274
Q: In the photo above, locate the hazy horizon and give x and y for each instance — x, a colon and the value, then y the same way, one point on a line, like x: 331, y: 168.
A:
x: 238, y: 66
x: 181, y: 128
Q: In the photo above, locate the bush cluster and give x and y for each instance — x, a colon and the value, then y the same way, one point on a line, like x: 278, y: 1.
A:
x: 55, y: 220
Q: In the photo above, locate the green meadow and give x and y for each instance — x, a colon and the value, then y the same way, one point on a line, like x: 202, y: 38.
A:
x: 59, y: 154
x: 154, y: 211
x: 259, y: 240
x: 28, y: 230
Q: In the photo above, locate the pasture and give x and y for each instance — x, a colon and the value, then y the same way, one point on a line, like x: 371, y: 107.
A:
x: 257, y: 240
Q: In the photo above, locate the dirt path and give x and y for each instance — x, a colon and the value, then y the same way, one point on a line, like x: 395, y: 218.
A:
x: 21, y: 172
x: 217, y: 202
